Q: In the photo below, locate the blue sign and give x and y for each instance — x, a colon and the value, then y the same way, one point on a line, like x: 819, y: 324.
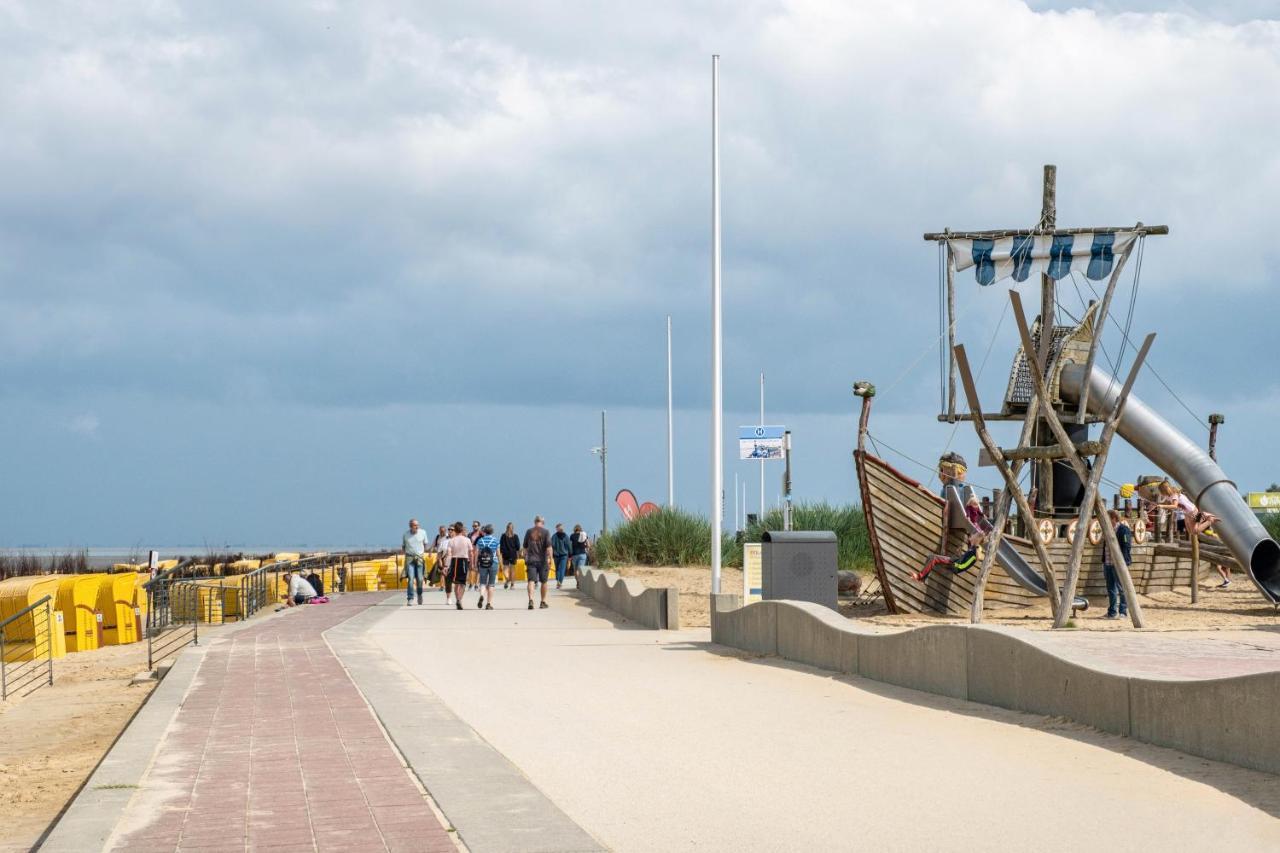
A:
x: 760, y: 442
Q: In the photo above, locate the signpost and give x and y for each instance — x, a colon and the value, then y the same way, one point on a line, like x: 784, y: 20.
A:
x: 752, y: 573
x: 1264, y: 501
x: 760, y: 442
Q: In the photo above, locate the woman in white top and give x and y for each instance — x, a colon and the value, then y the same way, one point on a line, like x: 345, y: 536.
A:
x: 460, y: 549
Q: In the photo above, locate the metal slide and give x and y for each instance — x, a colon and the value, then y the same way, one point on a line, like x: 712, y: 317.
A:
x: 1007, y: 556
x: 1180, y: 458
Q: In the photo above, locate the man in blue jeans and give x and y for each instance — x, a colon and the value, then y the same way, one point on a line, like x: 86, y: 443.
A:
x: 1115, y: 593
x: 414, y: 548
x: 561, y: 548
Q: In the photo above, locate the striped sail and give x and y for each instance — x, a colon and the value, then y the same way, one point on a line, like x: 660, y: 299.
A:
x: 1020, y: 257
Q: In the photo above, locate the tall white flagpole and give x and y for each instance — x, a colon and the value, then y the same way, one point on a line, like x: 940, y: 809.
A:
x: 736, y: 525
x: 671, y: 460
x: 717, y: 396
x: 762, y: 459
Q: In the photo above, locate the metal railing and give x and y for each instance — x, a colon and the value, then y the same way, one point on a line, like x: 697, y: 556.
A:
x: 26, y: 649
x: 172, y: 617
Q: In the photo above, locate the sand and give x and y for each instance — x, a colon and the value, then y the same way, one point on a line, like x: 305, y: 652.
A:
x: 694, y: 583
x: 51, y: 740
x: 1239, y: 607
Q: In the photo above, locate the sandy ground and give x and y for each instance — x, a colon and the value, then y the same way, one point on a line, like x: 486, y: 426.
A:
x: 51, y: 740
x: 694, y: 583
x: 1239, y: 607
x: 783, y: 757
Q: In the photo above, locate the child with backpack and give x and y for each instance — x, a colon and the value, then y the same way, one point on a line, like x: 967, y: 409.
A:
x: 487, y: 546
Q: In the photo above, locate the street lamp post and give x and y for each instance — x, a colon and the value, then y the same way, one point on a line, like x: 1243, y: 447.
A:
x: 717, y: 398
x: 603, y: 452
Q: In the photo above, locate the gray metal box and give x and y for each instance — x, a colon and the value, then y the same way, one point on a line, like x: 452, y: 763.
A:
x: 800, y: 565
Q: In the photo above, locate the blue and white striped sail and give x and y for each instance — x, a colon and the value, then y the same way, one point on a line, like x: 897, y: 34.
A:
x: 1021, y: 257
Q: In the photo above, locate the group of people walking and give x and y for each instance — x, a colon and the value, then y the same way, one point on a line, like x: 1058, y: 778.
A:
x: 473, y: 561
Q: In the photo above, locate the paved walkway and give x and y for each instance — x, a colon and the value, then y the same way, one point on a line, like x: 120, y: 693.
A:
x: 661, y: 741
x: 275, y: 748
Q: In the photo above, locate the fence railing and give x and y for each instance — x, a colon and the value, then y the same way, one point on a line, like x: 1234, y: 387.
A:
x: 172, y: 617
x: 26, y: 649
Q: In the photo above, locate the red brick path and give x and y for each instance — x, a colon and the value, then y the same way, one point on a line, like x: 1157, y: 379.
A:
x: 274, y: 749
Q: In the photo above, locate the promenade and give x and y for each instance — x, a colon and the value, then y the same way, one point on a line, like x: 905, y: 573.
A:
x: 569, y: 729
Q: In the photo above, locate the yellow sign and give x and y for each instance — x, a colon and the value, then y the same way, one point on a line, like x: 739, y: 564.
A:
x: 752, y: 573
x: 1264, y: 500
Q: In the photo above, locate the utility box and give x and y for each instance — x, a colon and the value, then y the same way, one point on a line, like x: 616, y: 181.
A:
x: 800, y: 565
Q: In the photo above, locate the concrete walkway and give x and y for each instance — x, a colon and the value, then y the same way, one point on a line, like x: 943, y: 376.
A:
x: 661, y: 741
x: 273, y: 747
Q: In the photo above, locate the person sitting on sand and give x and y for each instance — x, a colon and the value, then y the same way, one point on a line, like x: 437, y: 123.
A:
x: 299, y: 591
x: 958, y: 564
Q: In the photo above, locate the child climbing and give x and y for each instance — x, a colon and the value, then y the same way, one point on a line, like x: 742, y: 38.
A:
x: 958, y: 564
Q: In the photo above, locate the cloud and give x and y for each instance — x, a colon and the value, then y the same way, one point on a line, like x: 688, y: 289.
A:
x: 336, y: 209
x: 86, y: 425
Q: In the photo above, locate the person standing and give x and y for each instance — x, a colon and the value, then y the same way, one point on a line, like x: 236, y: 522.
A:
x: 561, y: 548
x: 1115, y: 593
x: 487, y: 565
x: 510, y: 545
x: 581, y: 545
x: 460, y: 551
x: 442, y: 560
x: 473, y: 581
x: 413, y: 545
x: 537, y: 554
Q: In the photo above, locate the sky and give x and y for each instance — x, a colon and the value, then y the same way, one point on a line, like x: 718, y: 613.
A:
x: 286, y: 274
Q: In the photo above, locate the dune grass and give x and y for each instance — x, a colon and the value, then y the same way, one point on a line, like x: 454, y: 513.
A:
x: 676, y: 537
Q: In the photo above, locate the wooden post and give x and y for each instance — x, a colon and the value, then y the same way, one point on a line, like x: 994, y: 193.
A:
x: 1194, y: 570
x: 1092, y: 502
x: 1099, y: 321
x: 951, y: 335
x: 1012, y: 493
x: 1215, y: 420
x: 1049, y: 199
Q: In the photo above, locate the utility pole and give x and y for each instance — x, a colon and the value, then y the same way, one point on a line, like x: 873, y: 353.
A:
x: 717, y: 366
x: 671, y: 463
x: 603, y: 452
x: 762, y: 460
x: 1048, y: 311
x: 786, y: 480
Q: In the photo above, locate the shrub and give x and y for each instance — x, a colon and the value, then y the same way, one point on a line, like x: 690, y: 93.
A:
x: 846, y: 521
x: 1271, y: 521
x: 668, y: 537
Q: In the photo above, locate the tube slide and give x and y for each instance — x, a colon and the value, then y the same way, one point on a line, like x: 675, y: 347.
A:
x: 1007, y: 556
x: 1204, y: 482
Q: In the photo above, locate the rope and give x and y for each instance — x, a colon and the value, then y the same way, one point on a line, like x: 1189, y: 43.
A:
x: 926, y: 466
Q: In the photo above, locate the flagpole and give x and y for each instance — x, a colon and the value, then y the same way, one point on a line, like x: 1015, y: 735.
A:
x: 717, y: 397
x: 762, y: 458
x: 671, y: 460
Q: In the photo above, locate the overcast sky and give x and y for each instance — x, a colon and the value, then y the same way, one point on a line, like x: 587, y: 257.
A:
x: 288, y: 273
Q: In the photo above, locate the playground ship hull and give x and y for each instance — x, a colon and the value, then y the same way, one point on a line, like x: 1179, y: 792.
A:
x: 904, y: 522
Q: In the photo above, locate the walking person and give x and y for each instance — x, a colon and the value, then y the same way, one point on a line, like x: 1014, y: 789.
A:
x: 414, y: 547
x: 537, y: 554
x: 510, y: 546
x: 487, y: 565
x: 442, y: 560
x: 1115, y: 593
x: 460, y: 552
x: 473, y: 580
x: 581, y: 545
x: 561, y: 548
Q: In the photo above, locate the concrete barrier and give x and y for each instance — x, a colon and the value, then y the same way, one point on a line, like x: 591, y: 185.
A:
x: 1228, y: 719
x: 656, y: 607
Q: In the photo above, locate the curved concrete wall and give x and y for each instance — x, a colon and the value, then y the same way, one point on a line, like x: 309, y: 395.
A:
x: 1228, y: 719
x: 657, y: 607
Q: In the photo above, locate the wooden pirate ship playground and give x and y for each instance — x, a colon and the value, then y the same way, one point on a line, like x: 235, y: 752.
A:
x: 1047, y: 539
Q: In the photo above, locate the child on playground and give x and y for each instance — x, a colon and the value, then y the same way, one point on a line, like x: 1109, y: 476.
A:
x: 981, y: 526
x: 958, y: 564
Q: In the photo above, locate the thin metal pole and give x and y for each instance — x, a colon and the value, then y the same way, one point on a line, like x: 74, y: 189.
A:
x: 717, y: 396
x: 736, y: 526
x: 761, y: 458
x: 604, y: 477
x: 671, y: 459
